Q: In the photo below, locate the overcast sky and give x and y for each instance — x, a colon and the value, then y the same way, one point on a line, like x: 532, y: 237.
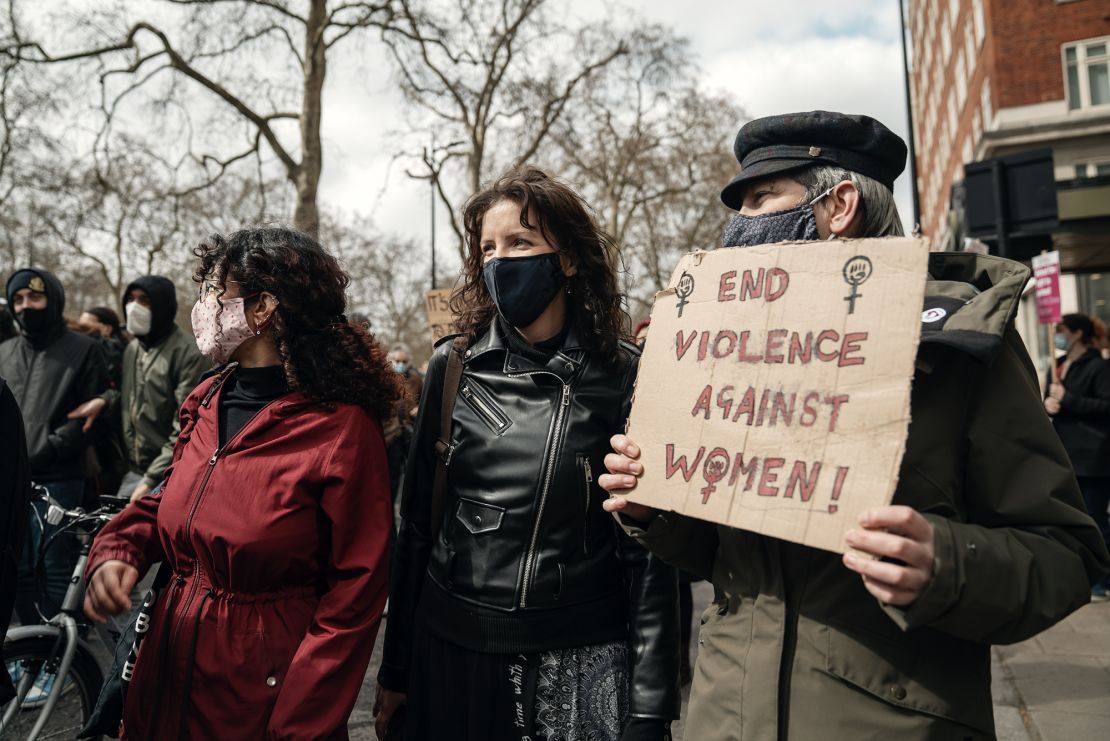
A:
x: 774, y: 57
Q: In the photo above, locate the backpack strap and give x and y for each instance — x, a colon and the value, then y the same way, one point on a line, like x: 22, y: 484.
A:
x: 443, y: 446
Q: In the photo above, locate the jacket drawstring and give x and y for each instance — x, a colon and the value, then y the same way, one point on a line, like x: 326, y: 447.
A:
x: 184, y: 733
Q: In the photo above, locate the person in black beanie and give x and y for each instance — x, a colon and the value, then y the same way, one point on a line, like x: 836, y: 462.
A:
x: 49, y: 370
x: 160, y: 367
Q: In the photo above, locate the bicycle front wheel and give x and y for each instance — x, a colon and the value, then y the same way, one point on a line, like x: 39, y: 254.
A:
x: 34, y: 661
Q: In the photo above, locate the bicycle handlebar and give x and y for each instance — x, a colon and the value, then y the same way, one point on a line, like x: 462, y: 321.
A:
x: 56, y: 513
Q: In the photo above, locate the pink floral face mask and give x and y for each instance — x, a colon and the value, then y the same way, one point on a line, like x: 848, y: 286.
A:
x: 220, y: 329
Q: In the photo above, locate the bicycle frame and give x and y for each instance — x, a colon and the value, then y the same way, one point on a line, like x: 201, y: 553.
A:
x: 61, y: 627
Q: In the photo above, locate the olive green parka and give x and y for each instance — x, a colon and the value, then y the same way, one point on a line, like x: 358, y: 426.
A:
x: 156, y: 381
x: 795, y: 647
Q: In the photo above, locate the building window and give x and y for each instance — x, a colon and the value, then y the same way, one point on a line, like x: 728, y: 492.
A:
x: 945, y: 43
x: 1092, y: 169
x: 985, y: 103
x: 969, y: 44
x: 961, y: 81
x: 953, y: 123
x: 1087, y: 73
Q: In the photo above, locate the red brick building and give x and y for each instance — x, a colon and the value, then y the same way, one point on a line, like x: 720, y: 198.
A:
x: 993, y: 77
x: 990, y: 78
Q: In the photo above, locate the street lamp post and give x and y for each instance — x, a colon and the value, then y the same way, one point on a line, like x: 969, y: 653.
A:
x: 909, y: 116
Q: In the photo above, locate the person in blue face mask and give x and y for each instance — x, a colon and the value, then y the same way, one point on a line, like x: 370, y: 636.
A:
x: 398, y: 428
x: 1079, y: 404
x: 518, y: 609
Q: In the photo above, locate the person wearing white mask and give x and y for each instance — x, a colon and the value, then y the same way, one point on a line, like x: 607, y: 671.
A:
x: 160, y: 367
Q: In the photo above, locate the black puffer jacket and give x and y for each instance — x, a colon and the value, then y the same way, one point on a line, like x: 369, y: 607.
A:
x: 526, y: 559
x: 1083, y: 422
x: 51, y: 373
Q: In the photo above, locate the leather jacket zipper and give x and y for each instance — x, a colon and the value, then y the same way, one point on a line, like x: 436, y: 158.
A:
x: 589, y: 476
x: 548, y: 475
x: 490, y: 414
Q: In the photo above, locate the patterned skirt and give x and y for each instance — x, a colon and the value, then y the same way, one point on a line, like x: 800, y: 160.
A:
x: 574, y: 694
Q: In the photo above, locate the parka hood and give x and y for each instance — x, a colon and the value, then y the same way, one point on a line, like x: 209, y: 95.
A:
x: 55, y: 299
x: 163, y: 306
x: 970, y: 299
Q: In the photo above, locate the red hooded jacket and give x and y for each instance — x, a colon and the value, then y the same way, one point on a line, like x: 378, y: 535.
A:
x: 278, y: 543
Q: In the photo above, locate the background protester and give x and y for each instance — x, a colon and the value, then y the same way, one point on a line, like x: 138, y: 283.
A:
x: 275, y: 515
x: 986, y: 540
x: 15, y: 498
x: 360, y: 319
x: 398, y: 430
x: 1080, y: 408
x: 50, y: 370
x: 102, y: 322
x: 161, y: 366
x: 529, y: 615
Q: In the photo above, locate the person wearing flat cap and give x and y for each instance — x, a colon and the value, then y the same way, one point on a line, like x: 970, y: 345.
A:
x: 986, y: 540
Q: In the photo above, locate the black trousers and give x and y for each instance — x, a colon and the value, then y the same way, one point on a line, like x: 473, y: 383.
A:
x: 1096, y: 496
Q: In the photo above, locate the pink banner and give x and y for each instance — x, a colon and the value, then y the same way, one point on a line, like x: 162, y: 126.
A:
x: 1046, y: 273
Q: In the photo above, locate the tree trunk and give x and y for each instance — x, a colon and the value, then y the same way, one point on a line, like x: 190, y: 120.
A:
x: 306, y: 216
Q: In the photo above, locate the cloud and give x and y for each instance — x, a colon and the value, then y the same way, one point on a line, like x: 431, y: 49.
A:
x: 773, y: 57
x: 847, y: 74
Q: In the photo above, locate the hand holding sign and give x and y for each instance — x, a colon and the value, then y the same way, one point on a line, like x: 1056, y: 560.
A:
x: 624, y: 473
x: 902, y: 537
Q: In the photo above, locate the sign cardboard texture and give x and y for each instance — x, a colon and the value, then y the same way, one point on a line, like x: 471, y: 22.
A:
x: 437, y: 306
x: 774, y: 389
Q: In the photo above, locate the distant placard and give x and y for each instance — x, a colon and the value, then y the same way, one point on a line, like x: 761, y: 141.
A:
x: 1046, y: 277
x: 773, y: 394
x: 437, y: 305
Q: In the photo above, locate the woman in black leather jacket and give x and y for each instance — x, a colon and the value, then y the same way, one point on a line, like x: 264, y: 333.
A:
x: 530, y: 614
x: 1080, y: 409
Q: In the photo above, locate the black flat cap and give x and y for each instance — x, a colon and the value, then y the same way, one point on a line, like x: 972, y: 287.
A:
x: 776, y: 144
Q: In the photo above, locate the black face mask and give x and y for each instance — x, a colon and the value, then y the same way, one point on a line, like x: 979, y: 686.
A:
x: 794, y: 225
x: 34, y: 321
x: 522, y: 287
x: 798, y: 224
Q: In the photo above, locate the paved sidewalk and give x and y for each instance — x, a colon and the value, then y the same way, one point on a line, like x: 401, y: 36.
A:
x: 1056, y: 686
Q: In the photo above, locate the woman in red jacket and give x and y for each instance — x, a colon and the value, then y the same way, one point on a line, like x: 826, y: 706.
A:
x: 274, y: 517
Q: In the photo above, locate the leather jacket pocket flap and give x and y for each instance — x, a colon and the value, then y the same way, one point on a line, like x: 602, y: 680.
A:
x: 478, y: 517
x: 936, y: 680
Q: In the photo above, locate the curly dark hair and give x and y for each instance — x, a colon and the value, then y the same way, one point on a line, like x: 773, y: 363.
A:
x: 325, y: 357
x: 567, y: 223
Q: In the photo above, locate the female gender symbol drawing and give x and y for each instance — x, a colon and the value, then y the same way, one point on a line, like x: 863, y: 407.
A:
x: 715, y: 468
x: 856, y: 271
x: 683, y: 290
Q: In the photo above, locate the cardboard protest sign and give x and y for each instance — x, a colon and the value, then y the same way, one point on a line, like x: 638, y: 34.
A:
x: 773, y: 394
x: 437, y: 306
